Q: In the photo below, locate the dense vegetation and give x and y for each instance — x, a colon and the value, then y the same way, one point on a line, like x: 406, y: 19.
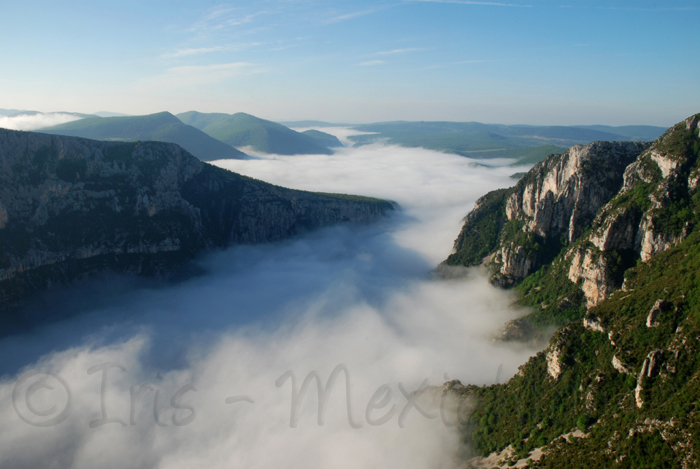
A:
x: 161, y: 127
x: 534, y: 408
x: 480, y: 232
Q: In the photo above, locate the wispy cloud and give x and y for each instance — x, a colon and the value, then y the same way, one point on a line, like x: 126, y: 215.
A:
x: 206, y: 50
x: 371, y: 62
x: 349, y: 16
x: 399, y: 51
x: 193, y: 51
x: 223, y: 17
x: 468, y: 2
x: 192, y: 75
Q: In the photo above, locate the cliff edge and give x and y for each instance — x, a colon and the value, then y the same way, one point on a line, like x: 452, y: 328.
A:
x: 71, y: 207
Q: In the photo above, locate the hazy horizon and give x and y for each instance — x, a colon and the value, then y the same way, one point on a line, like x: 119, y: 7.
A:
x: 45, y: 119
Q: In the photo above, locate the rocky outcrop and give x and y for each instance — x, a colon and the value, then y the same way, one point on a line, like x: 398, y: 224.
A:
x: 514, y: 262
x: 640, y: 380
x: 554, y: 363
x: 592, y: 270
x: 645, y: 218
x: 556, y: 200
x: 618, y: 231
x: 592, y: 323
x: 653, y: 318
x: 619, y: 366
x: 649, y: 368
x: 631, y: 200
x: 561, y: 195
x: 70, y: 207
x: 653, y: 241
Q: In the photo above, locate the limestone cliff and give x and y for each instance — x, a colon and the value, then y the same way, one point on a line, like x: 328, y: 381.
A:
x: 651, y: 213
x: 583, y: 218
x: 70, y: 207
x: 553, y: 204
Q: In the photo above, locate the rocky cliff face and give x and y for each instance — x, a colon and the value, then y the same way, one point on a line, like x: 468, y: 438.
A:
x: 553, y: 204
x: 561, y: 195
x: 594, y: 211
x: 651, y: 213
x: 557, y: 201
x: 72, y: 206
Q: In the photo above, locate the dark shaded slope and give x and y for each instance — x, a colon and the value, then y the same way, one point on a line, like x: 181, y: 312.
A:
x: 72, y: 207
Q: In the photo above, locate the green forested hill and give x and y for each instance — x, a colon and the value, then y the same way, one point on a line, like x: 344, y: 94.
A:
x: 631, y: 383
x: 161, y: 127
x: 242, y: 130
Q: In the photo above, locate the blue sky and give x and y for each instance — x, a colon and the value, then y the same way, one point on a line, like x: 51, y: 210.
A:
x: 510, y: 61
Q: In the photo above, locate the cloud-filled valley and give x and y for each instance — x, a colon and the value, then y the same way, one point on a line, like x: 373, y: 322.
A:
x: 33, y: 121
x: 362, y: 297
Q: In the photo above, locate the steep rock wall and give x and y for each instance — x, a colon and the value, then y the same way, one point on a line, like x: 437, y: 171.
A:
x: 71, y: 206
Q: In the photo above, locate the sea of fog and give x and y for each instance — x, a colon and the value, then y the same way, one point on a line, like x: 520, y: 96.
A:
x: 34, y: 121
x: 212, y: 371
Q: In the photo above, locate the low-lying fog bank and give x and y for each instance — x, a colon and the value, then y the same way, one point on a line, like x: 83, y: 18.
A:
x: 202, y: 374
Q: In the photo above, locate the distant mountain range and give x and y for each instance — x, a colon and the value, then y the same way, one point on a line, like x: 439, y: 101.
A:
x: 635, y: 132
x: 528, y: 144
x: 243, y: 130
x: 162, y: 127
x: 211, y: 136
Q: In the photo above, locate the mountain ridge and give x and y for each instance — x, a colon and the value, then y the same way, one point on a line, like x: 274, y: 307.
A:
x: 526, y: 143
x: 72, y: 207
x: 245, y: 130
x: 162, y: 126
